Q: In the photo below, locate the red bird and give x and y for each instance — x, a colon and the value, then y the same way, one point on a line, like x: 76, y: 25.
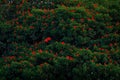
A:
x: 47, y: 39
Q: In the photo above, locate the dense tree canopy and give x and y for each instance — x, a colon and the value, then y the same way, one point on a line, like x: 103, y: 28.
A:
x: 59, y: 40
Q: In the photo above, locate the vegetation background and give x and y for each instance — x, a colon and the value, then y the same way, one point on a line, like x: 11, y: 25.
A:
x: 59, y: 39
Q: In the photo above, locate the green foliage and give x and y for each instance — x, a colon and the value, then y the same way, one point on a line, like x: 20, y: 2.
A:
x: 59, y: 40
